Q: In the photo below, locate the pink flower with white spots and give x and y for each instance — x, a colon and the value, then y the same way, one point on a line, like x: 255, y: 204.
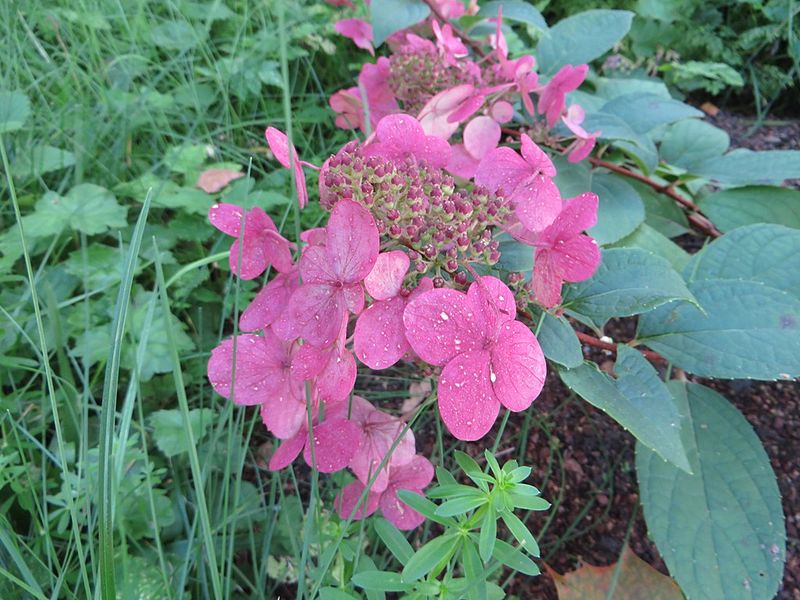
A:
x: 332, y: 368
x: 563, y: 252
x: 481, y: 136
x: 270, y: 302
x: 261, y: 246
x: 552, y: 96
x: 401, y: 136
x: 489, y: 358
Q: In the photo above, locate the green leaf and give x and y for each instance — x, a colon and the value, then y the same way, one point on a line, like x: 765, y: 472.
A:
x: 662, y: 213
x: 332, y: 593
x: 729, y: 209
x: 383, y: 581
x: 748, y: 331
x: 582, y: 38
x: 474, y: 571
x: 559, y: 342
x: 515, y: 10
x: 40, y: 160
x: 394, y: 540
x: 176, y: 35
x: 169, y: 429
x: 87, y: 208
x: 720, y: 530
x: 515, y: 559
x: 467, y: 463
x: 429, y: 556
x: 764, y: 253
x: 742, y: 167
x: 637, y: 399
x: 621, y: 209
x: 644, y: 111
x: 389, y: 16
x: 527, y: 501
x: 628, y: 282
x: 521, y: 533
x: 647, y: 238
x: 424, y: 506
x: 460, y: 506
x: 688, y: 143
x: 488, y: 536
x: 14, y: 110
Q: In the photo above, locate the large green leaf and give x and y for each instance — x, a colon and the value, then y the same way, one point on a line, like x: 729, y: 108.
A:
x: 169, y: 428
x: 747, y: 330
x: 637, y: 399
x: 643, y: 111
x: 87, y: 208
x: 40, y: 160
x: 661, y: 212
x: 621, y: 209
x: 720, y: 530
x: 559, y: 342
x: 647, y: 238
x: 14, y: 110
x: 582, y: 38
x: 628, y: 282
x: 769, y: 254
x: 733, y: 208
x: 389, y: 16
x: 688, y: 143
x: 742, y: 167
x: 515, y: 10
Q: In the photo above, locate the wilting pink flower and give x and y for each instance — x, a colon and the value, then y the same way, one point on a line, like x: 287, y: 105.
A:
x: 489, y: 358
x: 379, y: 432
x: 357, y: 30
x: 401, y: 136
x: 262, y: 245
x: 379, y: 339
x: 450, y: 45
x: 552, y: 96
x: 332, y: 276
x: 413, y: 476
x: 349, y: 108
x: 435, y: 116
x: 583, y: 145
x: 501, y: 111
x: 213, y: 180
x: 262, y: 377
x: 279, y: 145
x: 563, y: 252
x: 374, y: 81
x: 332, y: 369
x: 334, y: 441
x: 481, y: 136
x: 270, y: 302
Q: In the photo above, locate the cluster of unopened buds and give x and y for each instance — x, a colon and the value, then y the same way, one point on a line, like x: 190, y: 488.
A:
x: 394, y: 277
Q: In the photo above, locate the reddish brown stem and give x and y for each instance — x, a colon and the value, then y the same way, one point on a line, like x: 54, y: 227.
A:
x: 590, y: 340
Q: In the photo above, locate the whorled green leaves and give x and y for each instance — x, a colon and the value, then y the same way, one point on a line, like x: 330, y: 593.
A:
x: 720, y: 530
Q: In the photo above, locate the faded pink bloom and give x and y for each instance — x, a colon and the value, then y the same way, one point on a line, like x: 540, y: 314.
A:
x: 262, y: 376
x: 481, y: 136
x: 413, y: 476
x: 435, y: 116
x: 583, y: 145
x: 334, y: 441
x: 501, y: 111
x: 451, y: 9
x: 279, y: 145
x: 332, y: 276
x: 401, y: 136
x: 262, y: 245
x: 379, y: 432
x: 563, y: 252
x: 270, y: 302
x: 379, y: 339
x: 374, y: 80
x: 449, y: 45
x: 213, y: 180
x: 349, y: 108
x: 489, y: 358
x: 552, y: 96
x: 357, y: 30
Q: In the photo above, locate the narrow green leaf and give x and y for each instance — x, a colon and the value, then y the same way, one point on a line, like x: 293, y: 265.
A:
x: 521, y: 533
x: 383, y: 581
x: 514, y: 559
x: 488, y: 535
x: 460, y: 506
x: 429, y: 556
x: 394, y: 540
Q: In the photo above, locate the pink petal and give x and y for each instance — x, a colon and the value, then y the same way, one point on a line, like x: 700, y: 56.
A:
x: 462, y: 163
x: 357, y: 30
x: 573, y: 120
x: 213, y: 180
x: 518, y: 366
x: 354, y: 298
x: 374, y: 78
x: 316, y: 267
x: 347, y: 499
x: 279, y: 145
x: 537, y: 158
x: 440, y: 324
x: 335, y: 442
x: 315, y: 313
x: 467, y: 402
x: 288, y: 451
x: 546, y: 280
x: 414, y: 476
x: 270, y: 302
x: 537, y: 202
x: 226, y: 217
x: 502, y: 169
x: 259, y: 368
x: 352, y: 241
x: 577, y: 258
x: 379, y: 340
x: 578, y: 214
x: 338, y: 377
x: 492, y: 298
x: 401, y: 135
x: 386, y: 277
x: 582, y: 149
x: 481, y: 136
x: 398, y: 512
x: 315, y: 236
x: 501, y: 111
x: 347, y: 103
x: 284, y: 417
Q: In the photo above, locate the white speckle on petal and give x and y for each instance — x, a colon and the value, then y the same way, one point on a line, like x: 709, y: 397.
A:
x: 444, y: 316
